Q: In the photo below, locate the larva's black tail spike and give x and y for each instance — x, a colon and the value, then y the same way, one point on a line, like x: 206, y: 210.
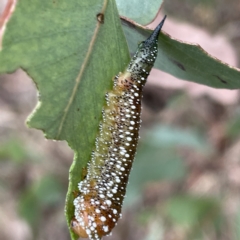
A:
x: 154, y: 36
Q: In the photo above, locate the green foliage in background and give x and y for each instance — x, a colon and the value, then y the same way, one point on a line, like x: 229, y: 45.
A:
x: 157, y: 157
x: 233, y: 127
x: 43, y: 194
x: 237, y: 226
x: 33, y: 195
x: 13, y: 150
x: 195, y: 214
x: 189, y: 211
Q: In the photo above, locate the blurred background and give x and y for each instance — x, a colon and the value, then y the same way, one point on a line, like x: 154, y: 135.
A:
x: 186, y: 177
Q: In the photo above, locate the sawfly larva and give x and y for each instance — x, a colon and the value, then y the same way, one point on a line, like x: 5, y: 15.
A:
x: 98, y: 206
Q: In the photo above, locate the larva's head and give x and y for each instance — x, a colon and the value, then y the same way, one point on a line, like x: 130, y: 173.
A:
x: 94, y: 217
x: 143, y: 60
x: 78, y: 229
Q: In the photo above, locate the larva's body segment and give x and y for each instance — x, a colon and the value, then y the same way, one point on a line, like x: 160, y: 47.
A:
x: 98, y: 207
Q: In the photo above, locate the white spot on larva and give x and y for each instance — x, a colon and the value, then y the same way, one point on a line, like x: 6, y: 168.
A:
x: 132, y: 122
x: 105, y: 228
x: 109, y: 195
x: 110, y: 183
x: 101, y: 196
x: 97, y: 210
x: 129, y: 139
x: 114, y: 211
x: 108, y: 202
x: 96, y: 236
x: 118, y: 180
x: 103, y: 219
x: 114, y: 190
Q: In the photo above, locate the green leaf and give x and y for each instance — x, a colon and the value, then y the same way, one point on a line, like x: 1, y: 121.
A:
x: 72, y: 57
x: 185, y: 61
x: 143, y: 13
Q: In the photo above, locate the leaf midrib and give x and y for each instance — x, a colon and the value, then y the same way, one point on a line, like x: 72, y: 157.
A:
x: 83, y: 67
